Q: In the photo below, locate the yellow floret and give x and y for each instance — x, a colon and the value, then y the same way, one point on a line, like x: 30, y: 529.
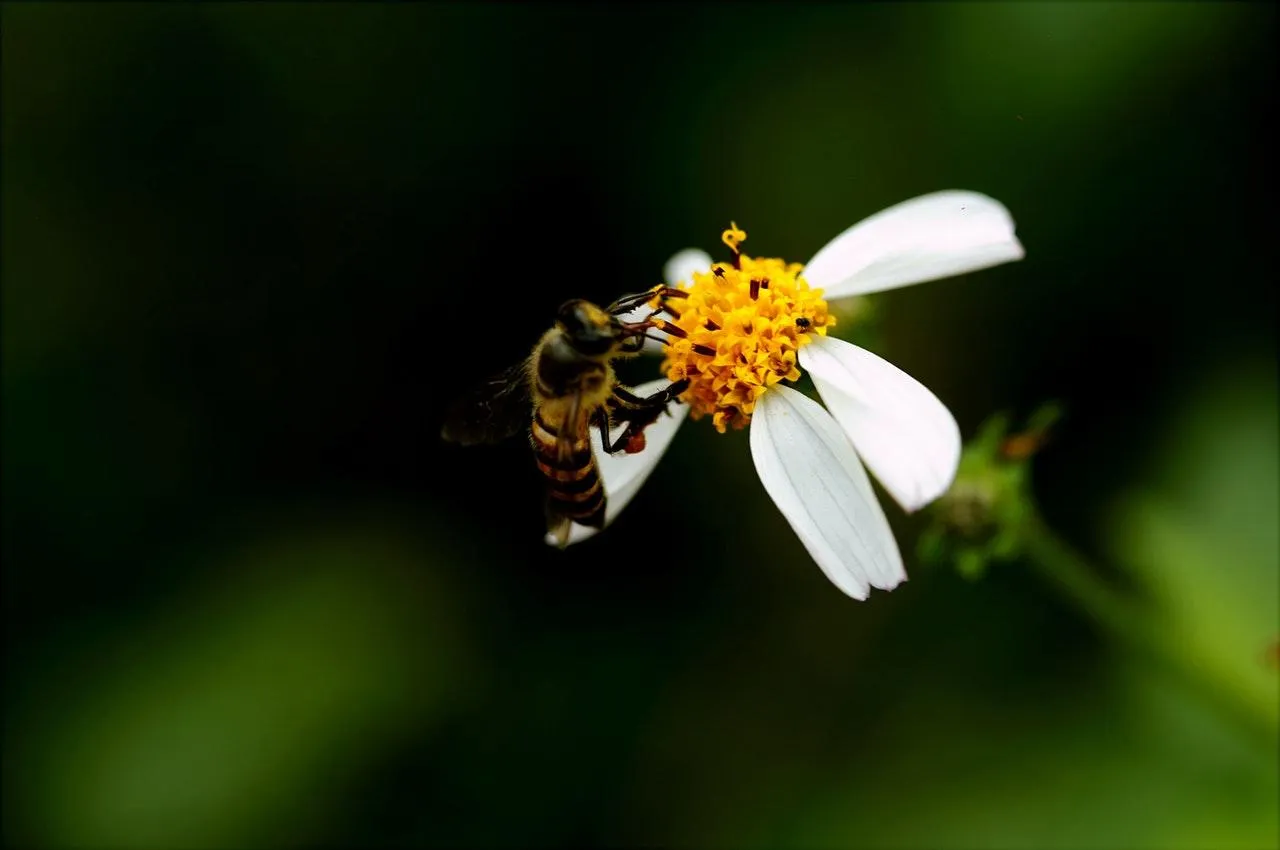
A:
x: 744, y: 323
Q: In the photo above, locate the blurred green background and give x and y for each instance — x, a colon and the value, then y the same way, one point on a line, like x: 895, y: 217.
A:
x: 249, y: 252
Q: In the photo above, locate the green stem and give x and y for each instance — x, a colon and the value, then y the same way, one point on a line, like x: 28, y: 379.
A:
x: 1061, y: 565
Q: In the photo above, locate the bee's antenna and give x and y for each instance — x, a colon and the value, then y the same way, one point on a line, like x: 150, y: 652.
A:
x: 630, y: 302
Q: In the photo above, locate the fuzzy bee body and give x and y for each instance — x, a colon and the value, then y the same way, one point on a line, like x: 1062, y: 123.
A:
x: 564, y: 388
x: 568, y: 389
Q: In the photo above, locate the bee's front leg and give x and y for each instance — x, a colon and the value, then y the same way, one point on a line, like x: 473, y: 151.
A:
x: 627, y: 303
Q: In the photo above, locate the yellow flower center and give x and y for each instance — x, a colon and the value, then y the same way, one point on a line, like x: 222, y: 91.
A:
x: 738, y: 331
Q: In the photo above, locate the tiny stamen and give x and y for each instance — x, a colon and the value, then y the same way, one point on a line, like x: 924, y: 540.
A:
x: 746, y: 344
x: 673, y: 329
x: 733, y: 237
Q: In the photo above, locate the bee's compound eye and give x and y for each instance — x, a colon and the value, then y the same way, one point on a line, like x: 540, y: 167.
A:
x: 590, y: 329
x: 572, y: 317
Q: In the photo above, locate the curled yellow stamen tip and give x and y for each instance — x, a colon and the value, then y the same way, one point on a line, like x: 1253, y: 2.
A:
x: 733, y: 237
x: 738, y: 332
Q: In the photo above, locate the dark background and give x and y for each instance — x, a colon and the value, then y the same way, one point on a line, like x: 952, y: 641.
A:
x: 251, y: 251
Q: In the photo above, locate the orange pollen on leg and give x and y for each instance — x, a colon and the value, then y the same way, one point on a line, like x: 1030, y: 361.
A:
x: 738, y: 333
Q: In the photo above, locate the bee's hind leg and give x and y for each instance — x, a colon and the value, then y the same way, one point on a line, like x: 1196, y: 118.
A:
x: 629, y: 435
x: 601, y: 417
x: 639, y: 413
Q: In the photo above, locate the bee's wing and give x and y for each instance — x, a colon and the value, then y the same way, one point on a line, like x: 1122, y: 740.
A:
x: 493, y: 411
x: 558, y: 526
x: 568, y: 434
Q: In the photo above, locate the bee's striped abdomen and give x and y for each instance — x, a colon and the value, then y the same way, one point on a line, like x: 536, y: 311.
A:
x: 573, y: 482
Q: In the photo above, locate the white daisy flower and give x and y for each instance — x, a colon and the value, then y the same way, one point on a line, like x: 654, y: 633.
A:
x: 740, y: 330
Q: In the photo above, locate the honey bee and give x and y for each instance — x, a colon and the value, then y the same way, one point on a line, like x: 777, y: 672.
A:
x: 562, y: 389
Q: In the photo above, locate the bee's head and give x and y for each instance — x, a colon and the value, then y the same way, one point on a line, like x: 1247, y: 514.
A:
x: 589, y: 329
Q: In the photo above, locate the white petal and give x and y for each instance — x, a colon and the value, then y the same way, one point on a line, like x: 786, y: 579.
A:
x: 925, y: 238
x: 623, y: 474
x: 681, y: 267
x: 636, y: 314
x: 653, y: 346
x: 908, y: 438
x: 813, y: 475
